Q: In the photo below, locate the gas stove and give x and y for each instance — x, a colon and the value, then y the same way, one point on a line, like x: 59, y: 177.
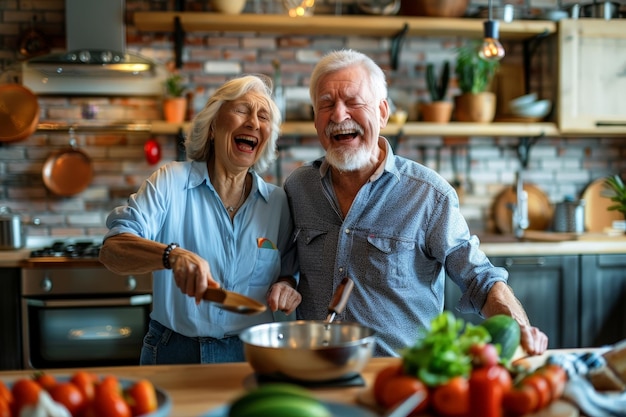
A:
x: 74, y: 250
x: 60, y: 253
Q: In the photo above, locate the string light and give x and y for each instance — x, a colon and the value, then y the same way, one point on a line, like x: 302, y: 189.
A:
x: 491, y: 49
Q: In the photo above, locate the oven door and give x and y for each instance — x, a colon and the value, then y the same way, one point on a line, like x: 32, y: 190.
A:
x: 90, y: 331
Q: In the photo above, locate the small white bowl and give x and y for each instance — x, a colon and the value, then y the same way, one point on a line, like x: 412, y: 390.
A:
x: 521, y: 101
x: 537, y: 109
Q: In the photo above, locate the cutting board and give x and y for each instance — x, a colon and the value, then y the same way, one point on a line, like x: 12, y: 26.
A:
x: 597, y: 216
x: 540, y: 209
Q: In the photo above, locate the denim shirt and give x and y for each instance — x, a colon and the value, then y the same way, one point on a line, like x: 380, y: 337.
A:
x: 178, y: 203
x: 403, y: 232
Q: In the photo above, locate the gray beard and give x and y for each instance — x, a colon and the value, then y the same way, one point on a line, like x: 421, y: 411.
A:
x: 348, y: 160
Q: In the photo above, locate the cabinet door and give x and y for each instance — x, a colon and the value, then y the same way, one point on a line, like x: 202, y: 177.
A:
x: 10, y: 344
x: 603, y: 299
x: 592, y: 76
x: 547, y: 287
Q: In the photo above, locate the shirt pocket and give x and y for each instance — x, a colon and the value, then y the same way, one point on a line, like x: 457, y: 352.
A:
x: 390, y: 259
x: 266, y: 267
x: 311, y: 242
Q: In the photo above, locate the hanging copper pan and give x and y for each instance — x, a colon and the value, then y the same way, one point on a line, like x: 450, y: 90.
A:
x: 19, y: 112
x: 68, y: 171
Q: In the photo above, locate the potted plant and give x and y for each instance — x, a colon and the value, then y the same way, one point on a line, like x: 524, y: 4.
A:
x: 474, y: 76
x: 174, y: 102
x: 439, y: 110
x: 616, y: 185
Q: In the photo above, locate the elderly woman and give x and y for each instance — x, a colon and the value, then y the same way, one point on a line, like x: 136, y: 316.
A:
x: 209, y: 222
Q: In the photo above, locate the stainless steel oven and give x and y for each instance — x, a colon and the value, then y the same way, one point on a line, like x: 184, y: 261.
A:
x: 77, y: 313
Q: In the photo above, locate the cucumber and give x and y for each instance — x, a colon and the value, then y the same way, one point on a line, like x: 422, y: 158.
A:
x: 504, y: 331
x: 277, y: 400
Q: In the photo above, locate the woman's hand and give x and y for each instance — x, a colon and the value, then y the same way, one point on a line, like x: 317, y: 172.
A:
x: 192, y: 273
x: 284, y: 297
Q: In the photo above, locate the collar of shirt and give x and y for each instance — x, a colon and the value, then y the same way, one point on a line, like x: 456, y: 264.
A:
x: 199, y: 174
x: 387, y: 165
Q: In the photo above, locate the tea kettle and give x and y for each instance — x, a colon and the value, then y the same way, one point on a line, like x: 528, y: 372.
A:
x: 569, y: 216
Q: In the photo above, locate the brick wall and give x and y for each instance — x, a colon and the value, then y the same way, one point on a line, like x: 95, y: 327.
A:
x: 484, y: 165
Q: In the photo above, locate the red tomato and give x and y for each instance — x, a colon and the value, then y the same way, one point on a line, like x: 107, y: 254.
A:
x: 86, y: 383
x: 141, y: 397
x: 541, y: 386
x: 5, y: 408
x: 5, y: 393
x: 452, y: 398
x: 556, y: 377
x: 520, y: 400
x: 382, y: 377
x: 399, y: 387
x: 486, y: 387
x: 484, y: 354
x: 69, y: 395
x: 152, y: 150
x: 108, y: 403
x: 109, y: 383
x: 46, y: 381
x: 25, y: 392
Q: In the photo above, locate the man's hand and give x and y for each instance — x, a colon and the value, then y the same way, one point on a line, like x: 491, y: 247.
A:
x: 282, y: 296
x: 533, y: 340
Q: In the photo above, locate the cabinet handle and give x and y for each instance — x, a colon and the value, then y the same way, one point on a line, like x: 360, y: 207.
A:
x: 540, y: 261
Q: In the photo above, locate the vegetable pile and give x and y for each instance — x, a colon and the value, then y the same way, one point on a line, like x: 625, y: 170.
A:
x: 465, y: 370
x: 82, y: 395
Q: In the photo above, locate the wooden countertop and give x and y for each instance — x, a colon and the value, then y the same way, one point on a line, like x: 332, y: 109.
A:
x: 197, y: 389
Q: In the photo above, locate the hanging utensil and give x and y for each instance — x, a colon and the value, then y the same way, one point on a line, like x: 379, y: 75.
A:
x: 19, y: 112
x: 233, y: 302
x: 33, y: 42
x: 68, y: 171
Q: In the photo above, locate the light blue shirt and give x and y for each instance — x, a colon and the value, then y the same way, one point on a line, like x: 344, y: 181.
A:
x: 402, y: 233
x: 178, y: 203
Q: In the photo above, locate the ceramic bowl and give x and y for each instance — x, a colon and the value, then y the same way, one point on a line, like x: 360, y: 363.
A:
x: 228, y: 6
x: 537, y: 109
x: 521, y: 101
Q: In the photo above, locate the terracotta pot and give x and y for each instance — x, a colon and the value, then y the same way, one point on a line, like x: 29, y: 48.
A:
x: 436, y: 112
x: 174, y: 109
x: 480, y: 107
x: 434, y: 8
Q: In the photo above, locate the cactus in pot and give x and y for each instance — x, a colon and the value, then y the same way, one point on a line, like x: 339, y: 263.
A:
x: 439, y: 110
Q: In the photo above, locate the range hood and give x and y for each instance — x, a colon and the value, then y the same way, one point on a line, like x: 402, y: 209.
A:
x: 96, y: 60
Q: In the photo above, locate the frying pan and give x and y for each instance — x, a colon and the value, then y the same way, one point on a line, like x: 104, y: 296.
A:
x: 19, y: 112
x: 308, y: 350
x: 68, y: 171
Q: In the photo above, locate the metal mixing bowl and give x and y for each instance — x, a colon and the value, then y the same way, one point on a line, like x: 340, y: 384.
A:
x: 308, y: 350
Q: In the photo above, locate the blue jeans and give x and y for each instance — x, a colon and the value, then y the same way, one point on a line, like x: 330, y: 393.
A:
x: 164, y: 346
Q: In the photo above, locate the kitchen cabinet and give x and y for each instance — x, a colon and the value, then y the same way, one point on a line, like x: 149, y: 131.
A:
x: 603, y: 299
x: 547, y: 287
x: 10, y: 324
x: 592, y: 76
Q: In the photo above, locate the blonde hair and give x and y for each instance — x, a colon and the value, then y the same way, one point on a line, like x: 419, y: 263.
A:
x: 197, y: 144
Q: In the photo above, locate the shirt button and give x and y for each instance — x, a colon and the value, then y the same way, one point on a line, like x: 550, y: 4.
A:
x: 347, y: 231
x: 340, y: 269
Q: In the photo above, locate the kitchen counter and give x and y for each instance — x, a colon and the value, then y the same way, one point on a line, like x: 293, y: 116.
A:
x: 492, y: 245
x: 196, y: 389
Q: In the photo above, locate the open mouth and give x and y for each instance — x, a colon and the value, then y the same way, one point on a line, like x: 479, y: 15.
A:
x: 345, y: 132
x: 246, y: 143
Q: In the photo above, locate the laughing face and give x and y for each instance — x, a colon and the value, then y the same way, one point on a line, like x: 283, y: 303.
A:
x: 242, y: 129
x: 348, y: 119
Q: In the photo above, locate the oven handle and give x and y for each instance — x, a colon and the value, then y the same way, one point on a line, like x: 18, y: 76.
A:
x: 135, y: 300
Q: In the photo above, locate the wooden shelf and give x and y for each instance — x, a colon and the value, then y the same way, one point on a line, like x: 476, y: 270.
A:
x: 410, y: 129
x: 336, y: 25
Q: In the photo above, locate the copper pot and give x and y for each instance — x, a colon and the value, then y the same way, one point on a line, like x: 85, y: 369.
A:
x: 68, y: 171
x: 19, y: 113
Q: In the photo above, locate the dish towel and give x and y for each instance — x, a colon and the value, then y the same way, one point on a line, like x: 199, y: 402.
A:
x: 579, y: 390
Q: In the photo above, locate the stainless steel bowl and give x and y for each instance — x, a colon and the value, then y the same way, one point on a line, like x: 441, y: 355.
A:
x: 308, y: 350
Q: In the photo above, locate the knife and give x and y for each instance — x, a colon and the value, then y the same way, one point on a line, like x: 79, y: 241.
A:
x: 405, y: 407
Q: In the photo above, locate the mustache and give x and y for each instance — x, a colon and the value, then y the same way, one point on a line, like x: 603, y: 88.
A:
x: 343, y: 127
